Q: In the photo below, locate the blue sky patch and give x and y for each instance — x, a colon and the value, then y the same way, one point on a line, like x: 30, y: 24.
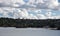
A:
x: 59, y: 1
x: 25, y: 1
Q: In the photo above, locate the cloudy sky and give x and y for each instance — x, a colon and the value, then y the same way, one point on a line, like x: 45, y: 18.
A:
x: 30, y: 9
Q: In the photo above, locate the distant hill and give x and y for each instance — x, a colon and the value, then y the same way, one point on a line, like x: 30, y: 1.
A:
x: 33, y: 23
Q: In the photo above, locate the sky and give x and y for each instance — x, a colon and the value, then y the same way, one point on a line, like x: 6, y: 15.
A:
x: 30, y: 9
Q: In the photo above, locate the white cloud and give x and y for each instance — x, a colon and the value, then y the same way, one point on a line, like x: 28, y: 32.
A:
x: 23, y: 13
x: 41, y: 16
x: 20, y: 9
x: 40, y: 4
x: 12, y: 1
x: 40, y: 1
x: 31, y: 16
x: 52, y: 4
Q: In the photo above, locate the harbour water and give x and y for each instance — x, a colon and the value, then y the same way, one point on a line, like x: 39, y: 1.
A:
x: 28, y: 32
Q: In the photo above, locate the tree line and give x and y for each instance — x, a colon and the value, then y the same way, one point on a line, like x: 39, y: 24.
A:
x: 33, y: 23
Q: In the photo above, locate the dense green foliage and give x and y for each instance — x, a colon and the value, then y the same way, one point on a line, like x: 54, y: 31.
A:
x: 25, y: 23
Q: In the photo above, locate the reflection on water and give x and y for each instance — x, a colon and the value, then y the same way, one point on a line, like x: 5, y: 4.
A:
x: 28, y: 32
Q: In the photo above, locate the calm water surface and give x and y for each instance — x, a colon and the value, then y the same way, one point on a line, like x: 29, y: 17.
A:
x: 28, y: 32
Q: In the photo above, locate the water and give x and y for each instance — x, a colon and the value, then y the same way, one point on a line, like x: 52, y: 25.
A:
x: 28, y: 32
